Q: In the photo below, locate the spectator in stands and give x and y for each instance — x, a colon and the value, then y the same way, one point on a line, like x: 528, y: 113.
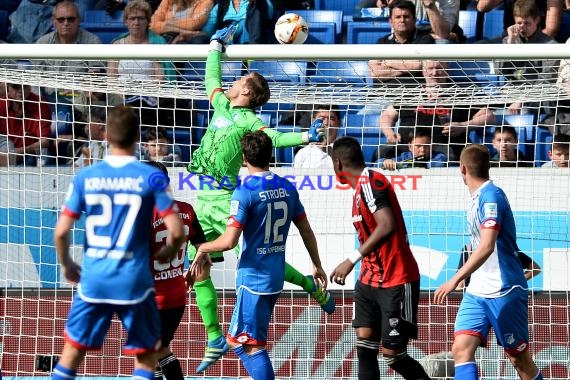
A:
x: 27, y: 123
x: 254, y: 19
x: 403, y: 21
x: 181, y: 21
x: 526, y: 31
x: 450, y: 124
x: 316, y: 155
x: 550, y: 10
x: 66, y: 19
x: 95, y: 148
x: 420, y: 154
x: 557, y: 118
x: 153, y: 111
x: 559, y: 154
x: 159, y: 148
x: 441, y: 16
x: 7, y: 157
x: 505, y: 142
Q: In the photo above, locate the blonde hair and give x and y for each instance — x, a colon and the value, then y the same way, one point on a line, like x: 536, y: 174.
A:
x: 137, y: 5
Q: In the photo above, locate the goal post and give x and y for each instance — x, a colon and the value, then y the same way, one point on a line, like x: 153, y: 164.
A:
x: 304, y: 342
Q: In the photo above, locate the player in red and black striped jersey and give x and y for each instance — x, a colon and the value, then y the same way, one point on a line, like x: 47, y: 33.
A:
x: 389, y: 281
x: 170, y: 284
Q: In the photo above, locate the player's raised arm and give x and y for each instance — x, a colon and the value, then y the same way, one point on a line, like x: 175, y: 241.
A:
x: 213, y: 78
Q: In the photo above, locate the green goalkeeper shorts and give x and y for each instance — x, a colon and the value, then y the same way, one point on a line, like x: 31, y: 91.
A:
x: 213, y: 209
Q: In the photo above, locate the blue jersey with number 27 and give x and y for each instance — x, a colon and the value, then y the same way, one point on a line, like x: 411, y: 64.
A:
x: 264, y: 206
x: 118, y: 203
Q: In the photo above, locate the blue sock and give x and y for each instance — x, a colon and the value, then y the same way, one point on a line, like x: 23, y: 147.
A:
x: 143, y: 374
x: 62, y: 373
x: 240, y: 352
x: 261, y: 366
x: 466, y: 371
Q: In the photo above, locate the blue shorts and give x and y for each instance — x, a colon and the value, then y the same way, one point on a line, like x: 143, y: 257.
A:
x: 88, y: 324
x: 508, y: 315
x: 251, y: 316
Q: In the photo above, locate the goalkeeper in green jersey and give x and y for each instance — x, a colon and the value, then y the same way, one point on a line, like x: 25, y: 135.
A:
x: 220, y: 158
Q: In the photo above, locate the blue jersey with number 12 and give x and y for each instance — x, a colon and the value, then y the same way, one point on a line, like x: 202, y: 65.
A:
x: 118, y: 202
x: 264, y: 206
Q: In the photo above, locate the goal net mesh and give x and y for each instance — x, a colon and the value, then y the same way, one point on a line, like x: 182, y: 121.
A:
x: 62, y: 105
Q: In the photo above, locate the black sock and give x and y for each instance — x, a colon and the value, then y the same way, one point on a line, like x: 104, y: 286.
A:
x: 171, y: 367
x: 367, y: 352
x: 408, y: 367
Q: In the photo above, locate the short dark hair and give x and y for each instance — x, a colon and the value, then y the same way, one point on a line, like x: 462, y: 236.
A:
x: 348, y: 151
x: 123, y: 126
x: 476, y: 159
x: 419, y: 132
x: 154, y: 133
x: 506, y: 129
x: 159, y: 165
x: 260, y: 92
x: 403, y: 4
x: 561, y: 141
x: 332, y: 108
x: 257, y: 148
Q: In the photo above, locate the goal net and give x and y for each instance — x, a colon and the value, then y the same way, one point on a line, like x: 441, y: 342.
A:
x: 52, y: 109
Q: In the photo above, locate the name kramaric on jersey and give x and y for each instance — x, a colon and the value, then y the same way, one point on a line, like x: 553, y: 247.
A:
x: 114, y: 184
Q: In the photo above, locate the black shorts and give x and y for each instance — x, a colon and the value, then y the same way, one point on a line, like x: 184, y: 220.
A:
x: 390, y: 312
x: 169, y: 321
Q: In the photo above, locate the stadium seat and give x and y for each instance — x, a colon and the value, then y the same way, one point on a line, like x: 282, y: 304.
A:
x: 322, y: 33
x: 315, y: 16
x: 365, y: 128
x: 468, y: 22
x: 193, y: 71
x: 564, y: 32
x: 284, y: 156
x: 281, y: 71
x: 543, y: 145
x: 232, y: 70
x: 466, y: 71
x: 345, y: 6
x: 181, y: 137
x: 265, y: 118
x: 366, y: 32
x: 493, y: 25
x: 4, y: 25
x: 106, y: 27
x: 342, y: 72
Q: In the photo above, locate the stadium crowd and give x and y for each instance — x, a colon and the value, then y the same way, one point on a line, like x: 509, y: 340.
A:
x: 50, y: 126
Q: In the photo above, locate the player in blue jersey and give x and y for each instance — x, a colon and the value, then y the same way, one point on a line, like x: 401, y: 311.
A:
x: 263, y: 209
x: 115, y: 277
x: 497, y: 295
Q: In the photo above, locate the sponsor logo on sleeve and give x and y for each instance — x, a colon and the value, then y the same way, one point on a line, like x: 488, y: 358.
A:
x: 234, y: 206
x: 490, y: 210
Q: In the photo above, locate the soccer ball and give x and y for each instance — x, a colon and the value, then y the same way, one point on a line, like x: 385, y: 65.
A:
x: 291, y: 29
